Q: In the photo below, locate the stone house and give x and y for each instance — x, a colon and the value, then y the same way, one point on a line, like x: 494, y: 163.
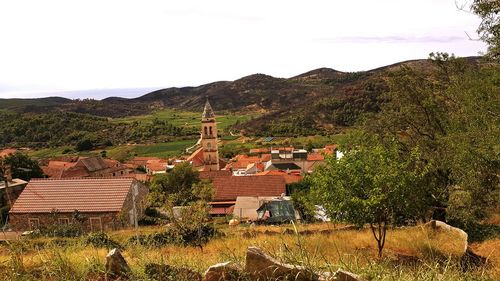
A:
x: 86, y: 167
x: 102, y: 204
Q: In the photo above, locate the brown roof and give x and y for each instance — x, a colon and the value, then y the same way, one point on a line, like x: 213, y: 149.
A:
x: 228, y: 188
x: 157, y: 165
x: 289, y: 178
x: 67, y: 195
x: 94, y: 163
x: 213, y: 174
x: 196, y: 158
x: 315, y: 157
x: 260, y: 150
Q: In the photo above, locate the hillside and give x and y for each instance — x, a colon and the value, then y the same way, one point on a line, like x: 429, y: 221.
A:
x: 307, y: 103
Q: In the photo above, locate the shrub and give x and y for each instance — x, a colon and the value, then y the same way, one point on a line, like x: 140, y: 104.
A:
x: 101, y: 240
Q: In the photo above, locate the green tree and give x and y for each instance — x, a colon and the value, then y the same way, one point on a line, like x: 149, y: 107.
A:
x: 374, y: 183
x: 489, y: 29
x: 451, y: 115
x: 174, y: 186
x: 22, y: 166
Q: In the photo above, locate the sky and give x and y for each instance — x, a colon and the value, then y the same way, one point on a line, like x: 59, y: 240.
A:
x: 95, y: 49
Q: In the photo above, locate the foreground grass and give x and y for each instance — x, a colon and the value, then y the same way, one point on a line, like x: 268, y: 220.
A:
x: 353, y: 250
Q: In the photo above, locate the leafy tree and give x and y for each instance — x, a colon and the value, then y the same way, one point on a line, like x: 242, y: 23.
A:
x: 489, y: 29
x: 301, y: 197
x: 451, y: 115
x: 22, y: 166
x: 175, y: 186
x: 374, y: 184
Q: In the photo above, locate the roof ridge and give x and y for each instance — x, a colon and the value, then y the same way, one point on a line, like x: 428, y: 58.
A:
x: 81, y: 178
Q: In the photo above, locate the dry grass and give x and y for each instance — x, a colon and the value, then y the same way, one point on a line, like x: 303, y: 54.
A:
x: 349, y: 249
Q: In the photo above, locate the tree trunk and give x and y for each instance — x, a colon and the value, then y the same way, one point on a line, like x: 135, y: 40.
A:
x: 379, y: 231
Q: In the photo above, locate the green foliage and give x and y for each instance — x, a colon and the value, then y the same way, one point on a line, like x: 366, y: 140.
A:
x: 174, y: 186
x: 374, y: 183
x: 489, y: 29
x: 101, y: 240
x: 302, y: 201
x: 83, y: 131
x: 452, y: 117
x: 22, y: 166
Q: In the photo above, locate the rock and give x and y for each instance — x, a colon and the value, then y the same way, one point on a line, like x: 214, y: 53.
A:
x: 234, y: 222
x: 226, y: 271
x: 264, y: 267
x: 342, y: 275
x: 170, y: 273
x: 116, y: 266
x: 456, y: 235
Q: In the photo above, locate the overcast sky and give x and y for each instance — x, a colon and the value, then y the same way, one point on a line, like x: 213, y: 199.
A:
x: 62, y: 47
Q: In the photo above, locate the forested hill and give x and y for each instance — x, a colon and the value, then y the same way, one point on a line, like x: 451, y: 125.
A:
x: 316, y: 100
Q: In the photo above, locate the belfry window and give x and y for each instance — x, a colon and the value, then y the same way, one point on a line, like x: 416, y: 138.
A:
x: 210, y: 130
x: 205, y: 130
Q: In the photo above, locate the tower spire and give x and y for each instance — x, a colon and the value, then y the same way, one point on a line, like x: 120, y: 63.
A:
x: 207, y: 111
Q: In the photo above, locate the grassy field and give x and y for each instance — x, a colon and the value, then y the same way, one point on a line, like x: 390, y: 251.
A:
x: 163, y: 150
x: 352, y: 250
x: 187, y: 118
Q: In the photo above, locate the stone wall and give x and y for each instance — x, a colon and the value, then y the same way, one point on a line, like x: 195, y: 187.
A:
x: 108, y: 220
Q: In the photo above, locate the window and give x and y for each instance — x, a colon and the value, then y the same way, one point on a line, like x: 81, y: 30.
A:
x: 210, y: 130
x: 95, y: 224
x: 209, y: 145
x: 34, y: 223
x: 114, y: 174
x: 121, y: 172
x: 63, y: 221
x: 206, y: 131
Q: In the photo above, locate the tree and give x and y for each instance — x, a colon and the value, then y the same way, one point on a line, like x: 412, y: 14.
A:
x: 489, y: 29
x: 193, y: 225
x: 22, y: 166
x: 175, y: 186
x: 451, y: 116
x: 374, y: 184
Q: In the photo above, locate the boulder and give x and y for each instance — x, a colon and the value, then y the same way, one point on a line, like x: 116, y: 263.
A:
x: 261, y: 266
x: 226, y: 271
x: 342, y: 275
x: 455, y: 236
x: 167, y: 272
x: 234, y: 222
x: 116, y: 266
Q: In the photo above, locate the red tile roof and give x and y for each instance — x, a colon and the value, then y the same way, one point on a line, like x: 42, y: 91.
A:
x: 315, y: 157
x: 213, y: 174
x: 329, y: 149
x: 157, y: 165
x: 228, y: 188
x: 196, y: 159
x: 67, y: 195
x: 289, y: 178
x: 260, y: 150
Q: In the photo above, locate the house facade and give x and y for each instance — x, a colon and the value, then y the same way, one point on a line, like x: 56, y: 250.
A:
x: 96, y: 204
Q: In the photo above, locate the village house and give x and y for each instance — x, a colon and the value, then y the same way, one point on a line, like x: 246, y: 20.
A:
x: 102, y: 204
x: 156, y: 166
x: 86, y: 167
x: 229, y: 188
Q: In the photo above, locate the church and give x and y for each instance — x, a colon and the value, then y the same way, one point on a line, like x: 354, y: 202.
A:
x: 206, y: 158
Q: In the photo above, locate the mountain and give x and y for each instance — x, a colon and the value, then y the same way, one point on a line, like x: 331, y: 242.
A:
x: 320, y: 99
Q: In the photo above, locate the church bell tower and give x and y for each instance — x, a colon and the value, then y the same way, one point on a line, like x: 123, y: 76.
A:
x: 209, y: 139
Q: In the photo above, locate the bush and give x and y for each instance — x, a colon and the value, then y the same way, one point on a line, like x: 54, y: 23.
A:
x: 101, y: 240
x: 175, y: 236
